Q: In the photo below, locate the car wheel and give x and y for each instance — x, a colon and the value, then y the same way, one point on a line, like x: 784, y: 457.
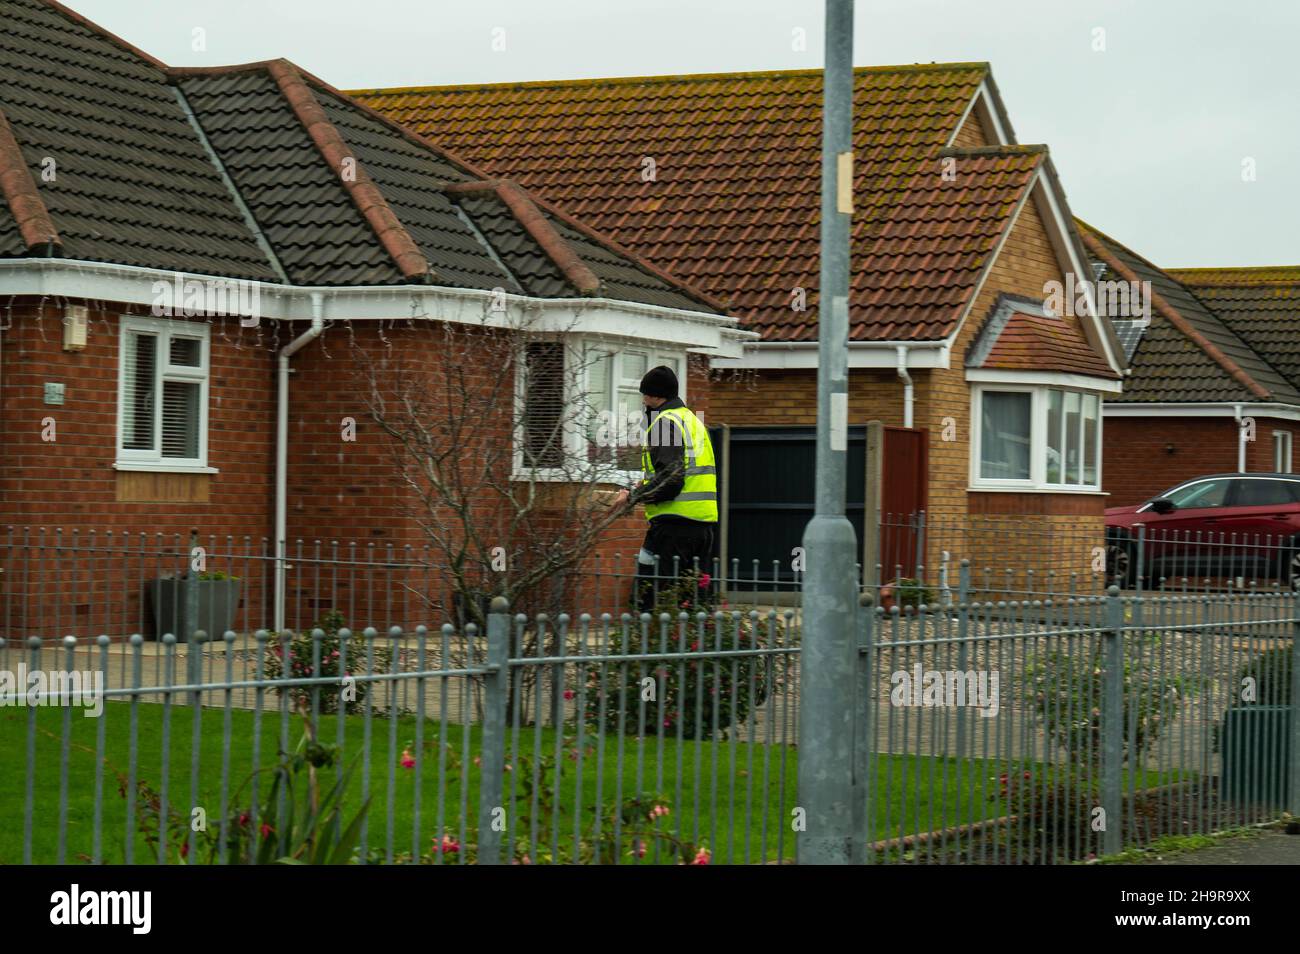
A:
x: 1120, y: 564
x: 1288, y: 559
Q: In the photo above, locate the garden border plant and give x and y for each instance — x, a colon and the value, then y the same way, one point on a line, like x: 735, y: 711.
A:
x: 693, y: 697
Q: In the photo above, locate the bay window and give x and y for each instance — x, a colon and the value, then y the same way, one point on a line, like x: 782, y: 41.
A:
x: 1036, y: 437
x: 580, y: 407
x: 614, y: 411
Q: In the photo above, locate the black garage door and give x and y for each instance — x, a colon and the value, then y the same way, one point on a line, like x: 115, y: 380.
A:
x: 771, y: 494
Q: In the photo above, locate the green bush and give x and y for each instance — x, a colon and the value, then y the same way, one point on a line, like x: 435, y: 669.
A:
x: 1053, y: 810
x: 1066, y: 690
x: 300, y: 820
x: 688, y: 691
x: 218, y: 575
x: 301, y: 665
x: 912, y: 592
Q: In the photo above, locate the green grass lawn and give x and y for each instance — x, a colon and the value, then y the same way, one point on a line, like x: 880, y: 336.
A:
x: 735, y: 799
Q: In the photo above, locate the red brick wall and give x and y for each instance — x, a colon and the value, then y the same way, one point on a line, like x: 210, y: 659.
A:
x: 353, y: 534
x: 1143, y: 456
x: 356, y: 490
x: 70, y: 482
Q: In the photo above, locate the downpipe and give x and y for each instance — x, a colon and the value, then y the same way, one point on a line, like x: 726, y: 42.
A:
x: 1241, y: 439
x: 906, y: 378
x: 282, y: 449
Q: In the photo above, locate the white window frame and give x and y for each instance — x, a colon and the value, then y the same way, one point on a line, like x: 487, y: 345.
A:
x: 1038, y: 411
x: 164, y: 330
x: 576, y: 357
x: 1282, y: 445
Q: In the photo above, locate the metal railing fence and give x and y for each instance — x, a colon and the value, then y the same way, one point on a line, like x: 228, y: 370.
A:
x: 1019, y: 556
x: 1049, y: 730
x: 55, y: 581
x: 542, y: 740
x: 1045, y: 726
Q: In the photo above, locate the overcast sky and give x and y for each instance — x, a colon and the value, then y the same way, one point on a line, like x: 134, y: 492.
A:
x: 1155, y: 134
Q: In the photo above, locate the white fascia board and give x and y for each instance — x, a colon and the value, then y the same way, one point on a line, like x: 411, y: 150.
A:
x: 800, y: 355
x: 132, y: 285
x: 983, y: 106
x: 1045, y: 195
x: 987, y: 110
x: 1287, y: 412
x: 1077, y: 382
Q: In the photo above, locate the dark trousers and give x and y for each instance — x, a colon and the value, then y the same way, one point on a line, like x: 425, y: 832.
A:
x: 686, y: 542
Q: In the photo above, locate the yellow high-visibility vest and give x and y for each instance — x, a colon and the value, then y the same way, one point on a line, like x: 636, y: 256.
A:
x: 699, y: 497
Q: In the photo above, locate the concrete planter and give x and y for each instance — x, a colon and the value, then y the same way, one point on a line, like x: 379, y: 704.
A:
x: 218, y: 602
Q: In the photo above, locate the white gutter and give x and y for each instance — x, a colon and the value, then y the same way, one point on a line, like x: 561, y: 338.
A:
x: 793, y: 355
x: 135, y: 285
x: 1241, y: 439
x: 907, y: 386
x: 1288, y: 412
x: 282, y: 450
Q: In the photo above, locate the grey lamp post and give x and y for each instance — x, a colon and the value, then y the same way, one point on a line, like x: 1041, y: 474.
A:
x: 828, y: 649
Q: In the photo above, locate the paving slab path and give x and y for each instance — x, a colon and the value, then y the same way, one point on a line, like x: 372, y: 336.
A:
x: 1269, y: 848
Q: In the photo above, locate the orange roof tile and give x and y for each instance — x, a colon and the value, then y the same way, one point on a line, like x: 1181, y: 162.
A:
x: 716, y: 178
x: 927, y: 258
x: 1037, y: 343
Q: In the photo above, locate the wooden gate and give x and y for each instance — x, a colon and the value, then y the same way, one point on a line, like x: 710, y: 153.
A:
x: 903, y: 478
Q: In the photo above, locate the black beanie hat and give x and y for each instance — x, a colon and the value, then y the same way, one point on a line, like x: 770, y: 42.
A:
x: 660, y: 382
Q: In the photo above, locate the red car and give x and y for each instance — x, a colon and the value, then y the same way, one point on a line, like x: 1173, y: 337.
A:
x: 1223, y: 525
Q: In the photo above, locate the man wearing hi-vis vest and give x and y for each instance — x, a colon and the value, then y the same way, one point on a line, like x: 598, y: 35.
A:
x: 679, y: 490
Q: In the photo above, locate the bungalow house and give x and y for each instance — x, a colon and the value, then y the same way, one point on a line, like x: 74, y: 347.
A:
x: 1214, y: 372
x: 965, y: 324
x: 196, y: 268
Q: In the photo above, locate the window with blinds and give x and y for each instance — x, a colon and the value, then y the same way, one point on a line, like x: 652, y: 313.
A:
x: 138, y: 398
x: 163, y: 393
x: 544, y: 404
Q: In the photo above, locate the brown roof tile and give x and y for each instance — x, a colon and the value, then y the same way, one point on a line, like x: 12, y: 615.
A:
x: 717, y: 179
x: 928, y: 256
x: 1255, y: 275
x: 1188, y: 353
x: 1262, y: 305
x: 1036, y: 343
